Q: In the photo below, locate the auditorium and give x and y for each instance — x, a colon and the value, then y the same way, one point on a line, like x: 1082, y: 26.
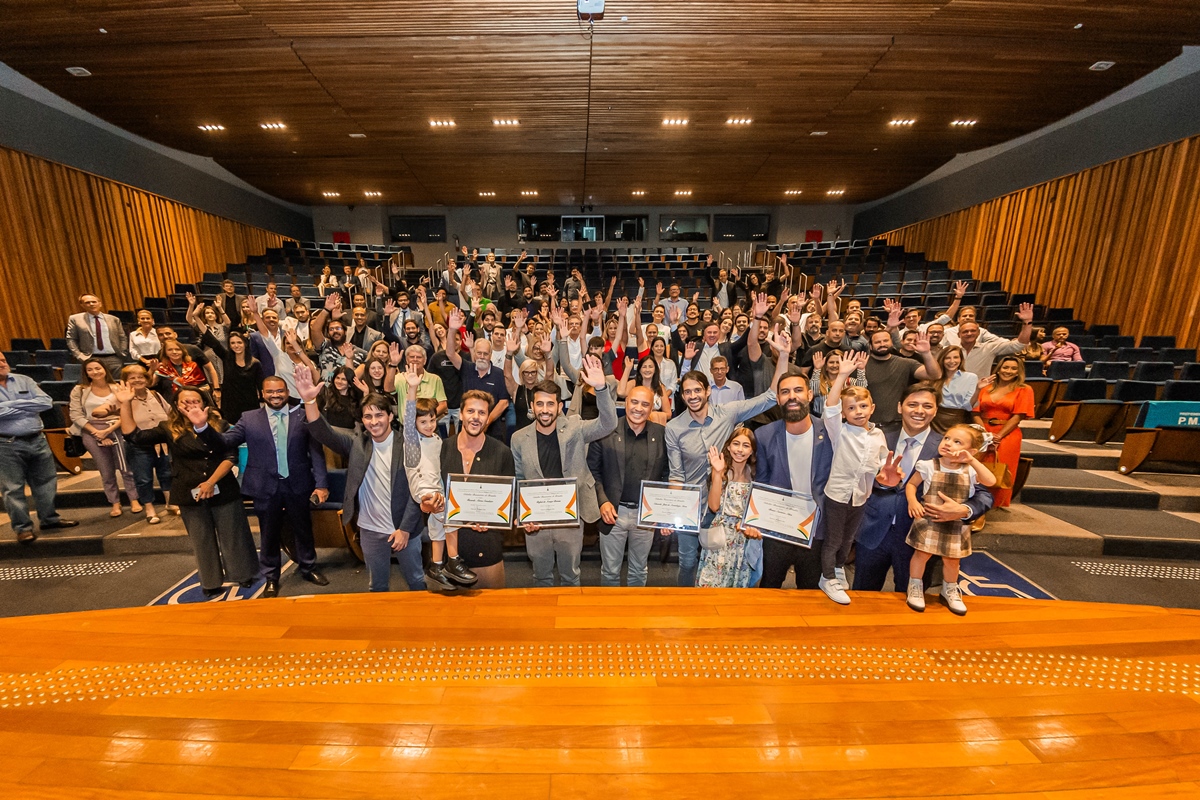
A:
x: 574, y: 399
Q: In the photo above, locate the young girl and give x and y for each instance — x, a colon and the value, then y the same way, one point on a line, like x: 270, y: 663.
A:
x: 423, y: 465
x: 732, y: 566
x: 953, y: 474
x: 860, y: 455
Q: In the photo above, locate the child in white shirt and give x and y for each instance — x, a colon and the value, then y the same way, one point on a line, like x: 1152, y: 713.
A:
x: 860, y: 455
x: 423, y: 466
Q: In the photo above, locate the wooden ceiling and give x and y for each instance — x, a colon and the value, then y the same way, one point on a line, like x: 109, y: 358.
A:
x: 590, y: 105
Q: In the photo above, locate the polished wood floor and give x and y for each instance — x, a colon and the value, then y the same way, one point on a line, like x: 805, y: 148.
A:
x: 602, y: 693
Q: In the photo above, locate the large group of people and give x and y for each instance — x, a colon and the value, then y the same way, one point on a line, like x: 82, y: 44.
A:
x: 894, y: 432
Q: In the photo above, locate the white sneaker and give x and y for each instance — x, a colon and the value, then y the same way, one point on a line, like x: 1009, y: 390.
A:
x: 951, y: 597
x: 834, y: 591
x: 840, y: 574
x: 916, y: 595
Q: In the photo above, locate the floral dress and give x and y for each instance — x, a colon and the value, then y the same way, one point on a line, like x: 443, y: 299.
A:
x: 728, y: 567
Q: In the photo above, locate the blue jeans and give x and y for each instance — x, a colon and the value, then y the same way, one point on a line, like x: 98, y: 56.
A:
x: 377, y: 552
x: 145, y: 464
x: 28, y: 461
x: 625, y: 533
x: 689, y: 557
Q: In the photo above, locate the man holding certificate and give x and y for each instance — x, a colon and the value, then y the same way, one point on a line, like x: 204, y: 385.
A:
x: 556, y: 447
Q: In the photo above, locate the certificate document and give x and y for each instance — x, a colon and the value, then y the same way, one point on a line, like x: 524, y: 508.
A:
x: 479, y: 500
x: 664, y: 505
x: 780, y: 514
x: 548, y: 502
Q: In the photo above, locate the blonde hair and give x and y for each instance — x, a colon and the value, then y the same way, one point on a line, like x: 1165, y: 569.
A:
x: 973, y: 432
x: 856, y: 392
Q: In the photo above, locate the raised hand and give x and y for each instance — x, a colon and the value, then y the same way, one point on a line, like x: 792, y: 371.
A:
x: 895, y: 313
x: 592, y: 372
x: 793, y: 313
x: 360, y: 383
x: 716, y: 460
x: 305, y: 388
x: 695, y: 298
x: 197, y: 415
x: 191, y: 298
x: 641, y: 283
x: 395, y: 354
x: 675, y: 316
x: 545, y: 343
x: 760, y: 305
x: 622, y: 305
x: 122, y: 393
x: 1025, y: 313
x: 781, y: 343
x: 708, y: 261
x: 628, y: 366
x: 413, y: 379
x: 835, y: 289
x: 468, y: 340
x: 512, y: 342
x: 922, y: 343
x: 689, y: 350
x: 960, y: 288
x: 818, y: 361
x: 389, y: 307
x: 658, y: 289
x: 815, y: 292
x: 987, y: 382
x: 890, y: 474
x: 862, y: 358
x: 332, y: 301
x: 847, y: 366
x: 455, y: 320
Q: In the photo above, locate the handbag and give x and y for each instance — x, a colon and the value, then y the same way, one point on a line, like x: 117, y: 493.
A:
x: 1004, y: 478
x: 712, y: 538
x: 73, y: 446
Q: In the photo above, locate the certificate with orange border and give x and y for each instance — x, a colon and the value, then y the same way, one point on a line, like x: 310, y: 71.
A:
x: 780, y: 514
x: 480, y: 500
x: 549, y: 502
x: 667, y: 505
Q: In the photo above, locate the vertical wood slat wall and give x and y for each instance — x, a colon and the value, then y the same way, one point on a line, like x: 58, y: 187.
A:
x: 1119, y: 243
x: 64, y: 232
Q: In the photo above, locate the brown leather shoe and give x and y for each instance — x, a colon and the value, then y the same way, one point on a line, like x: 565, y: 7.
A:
x: 25, y: 537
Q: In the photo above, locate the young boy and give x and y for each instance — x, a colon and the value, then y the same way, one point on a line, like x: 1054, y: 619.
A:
x: 423, y: 464
x: 860, y: 455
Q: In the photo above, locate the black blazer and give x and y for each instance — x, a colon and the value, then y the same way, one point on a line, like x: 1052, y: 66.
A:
x: 606, y: 461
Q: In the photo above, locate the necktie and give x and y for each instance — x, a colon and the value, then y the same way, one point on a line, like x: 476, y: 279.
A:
x: 279, y: 427
x: 908, y: 459
x: 99, y: 335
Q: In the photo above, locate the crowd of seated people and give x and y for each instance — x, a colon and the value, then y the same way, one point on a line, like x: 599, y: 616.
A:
x: 896, y: 430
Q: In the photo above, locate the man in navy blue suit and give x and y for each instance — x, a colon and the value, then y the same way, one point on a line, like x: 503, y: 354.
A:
x: 285, y: 468
x: 795, y: 453
x: 880, y: 544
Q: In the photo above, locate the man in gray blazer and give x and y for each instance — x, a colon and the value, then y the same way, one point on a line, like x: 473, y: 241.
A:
x: 556, y: 446
x: 94, y: 333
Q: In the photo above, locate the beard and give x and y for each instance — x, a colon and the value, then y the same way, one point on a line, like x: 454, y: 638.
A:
x: 795, y: 411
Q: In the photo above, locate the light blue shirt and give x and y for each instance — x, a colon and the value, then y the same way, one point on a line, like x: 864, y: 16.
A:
x: 731, y: 392
x: 21, y: 404
x: 959, y: 390
x: 688, y: 440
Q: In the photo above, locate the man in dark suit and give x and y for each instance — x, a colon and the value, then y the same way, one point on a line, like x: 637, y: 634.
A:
x: 634, y: 452
x: 285, y: 468
x: 881, y: 535
x: 377, y: 499
x: 698, y: 355
x: 795, y: 454
x: 94, y: 334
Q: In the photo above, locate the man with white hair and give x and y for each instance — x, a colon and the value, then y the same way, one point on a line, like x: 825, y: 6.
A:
x: 430, y: 386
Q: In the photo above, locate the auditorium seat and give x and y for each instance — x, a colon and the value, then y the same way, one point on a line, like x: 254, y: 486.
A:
x: 1155, y: 371
x: 1114, y: 341
x: 1158, y: 342
x: 1134, y: 354
x: 27, y: 344
x: 72, y: 372
x: 59, y: 391
x: 1110, y: 371
x: 1101, y: 331
x: 16, y: 358
x: 38, y: 372
x: 1177, y: 355
x: 1090, y: 355
x: 1188, y: 391
x: 1190, y: 372
x: 58, y: 343
x: 1034, y: 368
x: 54, y: 358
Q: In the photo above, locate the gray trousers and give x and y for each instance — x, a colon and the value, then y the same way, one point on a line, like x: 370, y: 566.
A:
x: 222, y: 542
x: 625, y: 533
x: 28, y: 460
x: 111, y: 460
x: 555, y: 544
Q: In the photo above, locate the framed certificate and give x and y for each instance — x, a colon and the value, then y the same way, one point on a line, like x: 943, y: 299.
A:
x: 780, y: 514
x: 479, y: 500
x: 665, y: 505
x: 548, y: 502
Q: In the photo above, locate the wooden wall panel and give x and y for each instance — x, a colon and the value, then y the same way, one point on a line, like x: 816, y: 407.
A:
x: 1119, y: 243
x: 64, y: 232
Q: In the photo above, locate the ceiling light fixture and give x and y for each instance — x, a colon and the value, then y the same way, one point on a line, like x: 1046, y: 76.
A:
x: 684, y: 193
x: 818, y: 133
x: 506, y: 123
x: 738, y: 121
x: 441, y: 123
x: 963, y: 123
x: 79, y: 72
x: 272, y: 126
x: 331, y: 194
x: 902, y: 123
x: 1100, y: 66
x: 104, y: 30
x: 487, y: 194
x: 638, y: 193
x: 1078, y: 25
x: 675, y: 121
x: 373, y: 194
x: 358, y: 136
x: 211, y: 128
x: 793, y: 192
x: 529, y: 193
x: 836, y: 192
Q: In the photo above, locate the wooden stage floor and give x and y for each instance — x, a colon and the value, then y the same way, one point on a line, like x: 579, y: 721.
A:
x: 602, y: 693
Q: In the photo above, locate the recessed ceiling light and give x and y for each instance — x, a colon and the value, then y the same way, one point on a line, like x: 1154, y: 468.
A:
x: 836, y: 192
x: 487, y: 194
x: 675, y: 121
x: 272, y: 126
x: 211, y: 128
x: 684, y: 193
x: 793, y: 192
x: 738, y: 121
x: 331, y: 194
x: 79, y: 72
x: 639, y: 193
x: 102, y: 30
x: 963, y: 123
x: 1078, y: 25
x: 506, y: 123
x: 529, y: 193
x: 441, y: 123
x: 902, y: 123
x: 1100, y: 66
x: 358, y: 136
x: 818, y: 133
x: 373, y: 194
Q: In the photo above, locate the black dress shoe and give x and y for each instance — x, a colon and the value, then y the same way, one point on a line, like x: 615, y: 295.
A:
x: 458, y: 572
x: 436, y: 574
x: 25, y: 537
x: 62, y: 523
x: 246, y: 584
x: 312, y: 576
x: 211, y: 593
x: 271, y: 589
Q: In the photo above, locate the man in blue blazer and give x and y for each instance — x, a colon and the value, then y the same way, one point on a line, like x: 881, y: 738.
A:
x: 797, y: 441
x: 281, y: 480
x: 880, y: 544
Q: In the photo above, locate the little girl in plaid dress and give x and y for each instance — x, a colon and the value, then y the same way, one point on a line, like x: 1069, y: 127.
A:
x: 951, y: 476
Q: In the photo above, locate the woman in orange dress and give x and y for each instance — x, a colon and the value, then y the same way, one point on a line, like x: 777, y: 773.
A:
x: 1004, y: 400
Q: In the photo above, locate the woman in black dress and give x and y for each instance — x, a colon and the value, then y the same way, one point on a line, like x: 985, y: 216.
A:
x: 241, y: 390
x: 341, y: 401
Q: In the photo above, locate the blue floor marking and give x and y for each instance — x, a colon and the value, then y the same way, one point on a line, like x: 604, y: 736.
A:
x: 188, y: 590
x: 983, y: 575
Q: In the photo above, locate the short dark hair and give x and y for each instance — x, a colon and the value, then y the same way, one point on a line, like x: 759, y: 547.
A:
x: 695, y: 375
x: 274, y: 379
x: 596, y: 341
x: 426, y: 407
x: 379, y: 402
x: 477, y: 394
x: 917, y: 388
x: 546, y: 387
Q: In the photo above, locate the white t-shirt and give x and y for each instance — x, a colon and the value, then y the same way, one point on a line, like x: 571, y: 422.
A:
x: 800, y: 453
x: 375, y: 493
x: 925, y: 470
